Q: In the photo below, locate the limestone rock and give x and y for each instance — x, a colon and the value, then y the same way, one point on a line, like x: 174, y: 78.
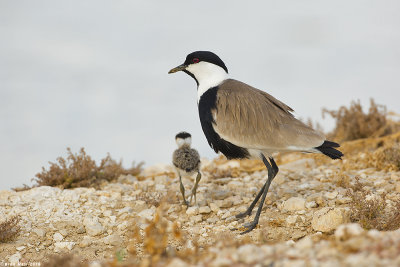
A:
x: 192, y: 211
x: 204, y: 210
x: 294, y: 204
x: 328, y: 219
x: 250, y: 254
x: 347, y: 231
x: 58, y: 237
x: 60, y: 246
x: 92, y: 226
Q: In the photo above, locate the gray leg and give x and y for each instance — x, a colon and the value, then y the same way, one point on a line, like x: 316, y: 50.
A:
x: 182, y: 190
x: 194, y: 190
x: 252, y: 205
x: 272, y: 171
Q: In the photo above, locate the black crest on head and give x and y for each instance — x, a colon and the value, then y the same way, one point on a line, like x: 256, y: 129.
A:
x: 183, y: 135
x: 206, y: 56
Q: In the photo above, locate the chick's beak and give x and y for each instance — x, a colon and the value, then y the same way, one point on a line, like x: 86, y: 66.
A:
x: 176, y: 69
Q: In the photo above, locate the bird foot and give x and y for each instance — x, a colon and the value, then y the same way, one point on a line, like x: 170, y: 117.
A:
x: 249, y: 227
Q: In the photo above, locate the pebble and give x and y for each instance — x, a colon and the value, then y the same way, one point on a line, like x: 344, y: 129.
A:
x: 39, y: 232
x: 86, y: 241
x: 58, y: 237
x: 204, y: 210
x: 214, y: 207
x: 20, y: 248
x: 294, y: 204
x: 112, y: 240
x: 59, y: 246
x: 331, y: 195
x: 311, y: 204
x: 291, y: 219
x: 347, y: 231
x: 147, y: 214
x: 194, y: 210
x: 249, y: 254
x: 328, y: 219
x: 14, y: 259
x: 92, y: 226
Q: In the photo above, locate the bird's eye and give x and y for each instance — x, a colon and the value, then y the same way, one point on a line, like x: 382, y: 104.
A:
x: 195, y: 60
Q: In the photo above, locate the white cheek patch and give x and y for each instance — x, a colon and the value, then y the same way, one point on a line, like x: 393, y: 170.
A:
x: 181, y: 142
x: 208, y: 75
x: 188, y: 141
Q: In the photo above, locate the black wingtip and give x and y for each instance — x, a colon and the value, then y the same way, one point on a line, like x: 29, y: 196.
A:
x: 327, y: 148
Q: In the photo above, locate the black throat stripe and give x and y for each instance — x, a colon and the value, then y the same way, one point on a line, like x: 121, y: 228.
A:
x: 207, y: 103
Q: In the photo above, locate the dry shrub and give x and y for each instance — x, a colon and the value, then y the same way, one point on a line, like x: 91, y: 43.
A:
x: 352, y: 123
x: 79, y: 170
x: 9, y: 229
x: 370, y: 210
x: 156, y: 243
x: 64, y: 260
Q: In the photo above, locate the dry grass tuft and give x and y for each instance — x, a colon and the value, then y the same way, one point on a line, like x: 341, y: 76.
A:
x: 158, y: 243
x: 79, y: 170
x: 352, y: 123
x: 64, y: 260
x: 372, y: 211
x: 9, y: 229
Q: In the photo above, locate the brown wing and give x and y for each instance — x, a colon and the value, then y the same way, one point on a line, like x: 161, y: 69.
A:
x: 251, y: 118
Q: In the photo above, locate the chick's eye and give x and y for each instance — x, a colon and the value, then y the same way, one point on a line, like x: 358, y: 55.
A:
x: 195, y: 60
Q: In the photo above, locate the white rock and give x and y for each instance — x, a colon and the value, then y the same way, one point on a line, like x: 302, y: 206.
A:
x: 87, y: 241
x: 328, y: 219
x: 92, y: 226
x: 214, y: 207
x: 331, y: 195
x: 14, y: 259
x: 192, y: 211
x: 347, y: 231
x: 39, y: 232
x: 204, y: 210
x: 291, y: 220
x: 112, y: 240
x: 20, y: 248
x: 176, y: 262
x: 59, y: 246
x: 58, y: 237
x: 311, y: 204
x: 160, y: 187
x: 147, y: 214
x: 250, y: 254
x: 305, y: 243
x: 95, y: 264
x: 294, y: 204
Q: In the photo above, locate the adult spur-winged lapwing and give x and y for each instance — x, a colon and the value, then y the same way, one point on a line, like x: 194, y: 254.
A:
x: 187, y: 162
x: 244, y: 122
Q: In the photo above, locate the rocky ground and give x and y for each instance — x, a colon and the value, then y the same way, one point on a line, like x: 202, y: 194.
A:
x: 141, y: 220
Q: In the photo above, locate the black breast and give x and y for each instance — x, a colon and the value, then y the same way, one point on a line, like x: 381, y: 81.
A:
x: 207, y: 103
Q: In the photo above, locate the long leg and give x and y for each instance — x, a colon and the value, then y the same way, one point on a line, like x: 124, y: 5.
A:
x: 194, y: 190
x: 182, y: 189
x: 252, y: 205
x: 272, y: 171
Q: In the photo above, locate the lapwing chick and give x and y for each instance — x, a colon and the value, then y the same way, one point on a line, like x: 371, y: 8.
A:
x: 241, y: 121
x: 187, y: 162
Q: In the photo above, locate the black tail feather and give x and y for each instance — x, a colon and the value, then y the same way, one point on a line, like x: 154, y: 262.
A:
x: 327, y: 148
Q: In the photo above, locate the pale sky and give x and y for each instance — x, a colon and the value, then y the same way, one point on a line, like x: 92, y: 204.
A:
x: 93, y: 74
